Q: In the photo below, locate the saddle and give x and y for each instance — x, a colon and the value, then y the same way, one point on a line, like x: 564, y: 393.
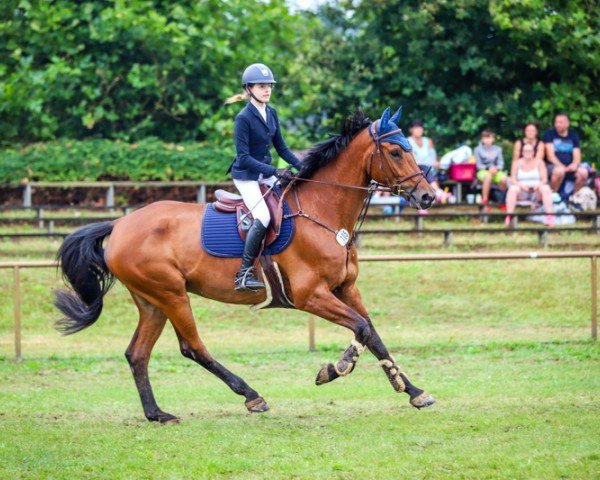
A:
x: 227, y: 202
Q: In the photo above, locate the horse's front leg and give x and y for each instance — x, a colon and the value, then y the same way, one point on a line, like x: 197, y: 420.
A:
x: 326, y: 305
x: 350, y: 296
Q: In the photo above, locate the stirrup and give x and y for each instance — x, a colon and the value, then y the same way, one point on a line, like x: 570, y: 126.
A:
x: 245, y: 281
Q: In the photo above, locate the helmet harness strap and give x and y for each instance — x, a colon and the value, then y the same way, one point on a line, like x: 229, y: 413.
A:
x: 249, y: 92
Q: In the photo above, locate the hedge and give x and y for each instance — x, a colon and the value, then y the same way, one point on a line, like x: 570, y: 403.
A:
x: 100, y: 159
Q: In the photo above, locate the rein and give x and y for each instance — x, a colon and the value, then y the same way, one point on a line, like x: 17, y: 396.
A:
x: 393, y: 187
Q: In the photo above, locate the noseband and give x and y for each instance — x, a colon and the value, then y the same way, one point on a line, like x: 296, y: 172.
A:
x: 395, y: 187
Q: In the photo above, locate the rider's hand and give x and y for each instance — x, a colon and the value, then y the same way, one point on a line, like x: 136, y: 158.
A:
x: 284, y: 174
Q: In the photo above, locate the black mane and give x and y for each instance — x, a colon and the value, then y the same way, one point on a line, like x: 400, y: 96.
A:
x: 322, y: 153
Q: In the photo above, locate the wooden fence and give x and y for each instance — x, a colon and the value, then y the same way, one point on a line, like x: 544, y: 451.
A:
x: 592, y: 255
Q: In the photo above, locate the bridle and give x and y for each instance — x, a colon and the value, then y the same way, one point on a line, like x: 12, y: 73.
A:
x: 395, y: 187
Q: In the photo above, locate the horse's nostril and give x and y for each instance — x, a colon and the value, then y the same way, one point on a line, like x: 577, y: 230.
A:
x: 426, y: 200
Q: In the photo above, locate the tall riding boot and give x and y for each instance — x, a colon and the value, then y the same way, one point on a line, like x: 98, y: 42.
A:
x: 245, y: 279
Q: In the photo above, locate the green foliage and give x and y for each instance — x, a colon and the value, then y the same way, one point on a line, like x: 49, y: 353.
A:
x: 96, y: 159
x: 463, y: 65
x: 134, y: 69
x: 149, y: 68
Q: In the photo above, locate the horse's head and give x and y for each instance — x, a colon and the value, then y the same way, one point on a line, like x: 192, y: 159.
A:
x: 393, y: 165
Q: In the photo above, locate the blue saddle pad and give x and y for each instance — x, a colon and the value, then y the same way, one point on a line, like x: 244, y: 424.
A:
x: 220, y: 236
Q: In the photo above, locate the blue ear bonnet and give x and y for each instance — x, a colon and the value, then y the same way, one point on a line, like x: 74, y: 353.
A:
x: 387, y: 125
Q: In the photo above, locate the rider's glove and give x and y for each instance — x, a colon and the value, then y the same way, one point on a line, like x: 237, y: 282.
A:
x: 284, y: 175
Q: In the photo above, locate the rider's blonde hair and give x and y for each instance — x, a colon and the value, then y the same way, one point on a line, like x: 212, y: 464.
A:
x: 238, y: 98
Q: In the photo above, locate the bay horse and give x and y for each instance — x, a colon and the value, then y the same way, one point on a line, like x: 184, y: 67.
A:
x: 156, y: 253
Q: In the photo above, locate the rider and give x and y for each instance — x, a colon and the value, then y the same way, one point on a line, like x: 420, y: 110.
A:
x: 256, y: 128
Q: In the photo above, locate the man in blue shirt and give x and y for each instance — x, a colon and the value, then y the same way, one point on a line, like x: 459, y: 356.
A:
x: 563, y: 155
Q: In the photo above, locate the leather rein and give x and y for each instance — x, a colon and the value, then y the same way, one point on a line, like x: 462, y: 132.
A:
x: 395, y: 188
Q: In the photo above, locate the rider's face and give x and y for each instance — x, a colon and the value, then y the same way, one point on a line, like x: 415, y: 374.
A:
x: 262, y: 91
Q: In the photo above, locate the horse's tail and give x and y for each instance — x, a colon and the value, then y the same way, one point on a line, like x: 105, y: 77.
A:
x: 83, y: 267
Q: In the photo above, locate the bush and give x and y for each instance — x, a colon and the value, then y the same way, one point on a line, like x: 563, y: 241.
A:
x: 96, y: 159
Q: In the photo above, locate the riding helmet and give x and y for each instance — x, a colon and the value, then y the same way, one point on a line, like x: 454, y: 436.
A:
x: 257, y: 73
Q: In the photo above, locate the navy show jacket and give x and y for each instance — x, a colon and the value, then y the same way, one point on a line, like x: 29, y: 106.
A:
x: 253, y: 139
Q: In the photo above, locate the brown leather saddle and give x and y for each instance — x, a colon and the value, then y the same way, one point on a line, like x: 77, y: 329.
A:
x: 232, y: 203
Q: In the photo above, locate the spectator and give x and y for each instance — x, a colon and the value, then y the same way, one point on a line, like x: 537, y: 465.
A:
x: 425, y: 156
x: 529, y: 181
x: 530, y: 136
x: 563, y: 155
x: 490, y: 163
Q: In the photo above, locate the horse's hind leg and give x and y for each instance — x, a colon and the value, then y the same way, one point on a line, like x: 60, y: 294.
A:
x: 192, y: 347
x: 150, y: 326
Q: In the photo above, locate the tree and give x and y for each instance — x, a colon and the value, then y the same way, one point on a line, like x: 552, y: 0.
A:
x: 134, y: 69
x: 466, y: 64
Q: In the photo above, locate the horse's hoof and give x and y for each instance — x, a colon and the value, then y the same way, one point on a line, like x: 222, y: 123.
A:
x: 170, y: 421
x: 423, y: 400
x: 326, y: 374
x: 164, y: 419
x: 258, y: 405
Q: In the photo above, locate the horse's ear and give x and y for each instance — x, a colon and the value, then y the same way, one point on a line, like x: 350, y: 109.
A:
x: 397, y: 116
x: 385, y: 118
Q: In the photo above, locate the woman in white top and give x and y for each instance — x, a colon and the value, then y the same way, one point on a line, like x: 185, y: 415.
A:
x: 424, y: 153
x: 529, y: 182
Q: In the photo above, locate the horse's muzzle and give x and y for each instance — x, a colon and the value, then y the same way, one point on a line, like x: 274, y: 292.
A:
x: 426, y: 201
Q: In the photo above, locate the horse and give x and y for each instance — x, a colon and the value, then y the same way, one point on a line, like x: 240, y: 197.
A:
x: 155, y: 252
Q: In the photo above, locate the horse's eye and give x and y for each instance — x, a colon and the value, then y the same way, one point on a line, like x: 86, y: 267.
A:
x: 396, y: 153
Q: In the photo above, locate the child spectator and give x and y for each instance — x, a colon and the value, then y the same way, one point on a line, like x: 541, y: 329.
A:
x: 490, y: 163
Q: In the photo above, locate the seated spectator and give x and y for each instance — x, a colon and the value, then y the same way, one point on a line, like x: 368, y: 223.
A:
x: 490, y: 163
x: 530, y: 136
x: 425, y: 155
x: 529, y: 181
x: 380, y: 197
x: 563, y: 156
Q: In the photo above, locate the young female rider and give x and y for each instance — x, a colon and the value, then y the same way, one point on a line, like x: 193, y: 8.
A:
x: 256, y: 128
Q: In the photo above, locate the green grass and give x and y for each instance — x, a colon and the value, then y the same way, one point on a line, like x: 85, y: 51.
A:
x: 514, y: 410
x: 502, y: 345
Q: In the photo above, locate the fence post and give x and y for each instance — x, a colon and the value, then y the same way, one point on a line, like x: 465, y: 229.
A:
x: 17, y: 311
x: 311, y: 333
x: 40, y: 216
x: 27, y: 196
x: 419, y: 222
x: 594, y: 297
x: 448, y: 238
x: 110, y: 196
x: 201, y: 196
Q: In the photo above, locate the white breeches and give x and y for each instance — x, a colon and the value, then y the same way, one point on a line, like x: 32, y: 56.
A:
x: 250, y: 192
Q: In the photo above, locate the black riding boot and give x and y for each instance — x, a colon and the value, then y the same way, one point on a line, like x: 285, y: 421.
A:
x: 245, y: 279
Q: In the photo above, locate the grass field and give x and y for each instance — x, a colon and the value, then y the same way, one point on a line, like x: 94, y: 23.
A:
x: 502, y: 345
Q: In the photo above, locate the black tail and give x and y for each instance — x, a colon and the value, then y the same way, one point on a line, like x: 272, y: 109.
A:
x: 82, y: 262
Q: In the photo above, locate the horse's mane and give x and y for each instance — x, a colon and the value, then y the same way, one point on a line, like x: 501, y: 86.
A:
x: 324, y: 152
